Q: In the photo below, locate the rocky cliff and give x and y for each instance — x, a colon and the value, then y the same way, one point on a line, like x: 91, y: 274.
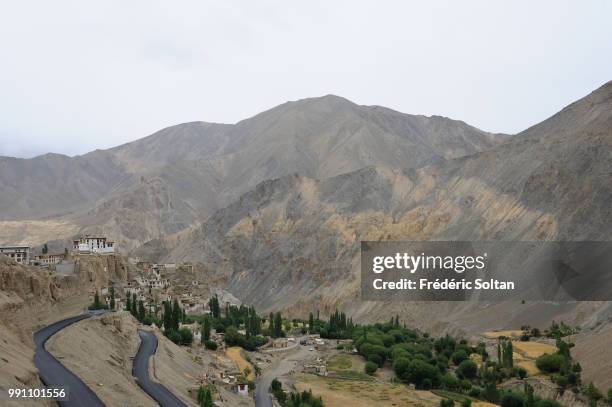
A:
x: 31, y: 298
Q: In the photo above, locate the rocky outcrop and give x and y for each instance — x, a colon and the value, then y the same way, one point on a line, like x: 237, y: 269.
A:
x: 544, y: 388
x: 31, y: 298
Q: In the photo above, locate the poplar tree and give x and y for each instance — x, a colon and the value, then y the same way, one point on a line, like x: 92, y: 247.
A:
x: 141, y: 311
x: 205, y: 329
x: 176, y: 315
x: 112, y: 299
x: 134, y: 306
x: 278, y: 325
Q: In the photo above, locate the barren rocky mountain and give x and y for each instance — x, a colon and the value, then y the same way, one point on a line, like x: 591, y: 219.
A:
x: 292, y: 242
x: 180, y: 175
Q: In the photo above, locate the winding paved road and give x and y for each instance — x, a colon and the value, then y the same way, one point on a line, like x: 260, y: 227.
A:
x: 54, y: 374
x: 140, y: 370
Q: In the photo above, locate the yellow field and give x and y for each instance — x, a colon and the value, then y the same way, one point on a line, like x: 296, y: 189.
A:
x: 533, y: 350
x: 509, y: 334
x: 343, y: 393
x: 235, y: 354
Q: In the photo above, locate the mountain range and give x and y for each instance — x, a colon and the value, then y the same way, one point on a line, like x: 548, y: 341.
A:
x: 181, y: 175
x: 274, y: 207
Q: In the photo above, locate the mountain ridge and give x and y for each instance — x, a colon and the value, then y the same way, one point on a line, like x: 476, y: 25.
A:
x: 200, y: 167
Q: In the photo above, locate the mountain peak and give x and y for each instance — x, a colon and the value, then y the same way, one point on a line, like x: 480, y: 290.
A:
x: 328, y: 99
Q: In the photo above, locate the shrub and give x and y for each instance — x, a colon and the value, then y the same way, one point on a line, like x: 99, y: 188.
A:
x: 186, y: 336
x: 371, y: 367
x: 547, y: 403
x: 447, y: 403
x: 459, y: 356
x: 420, y: 373
x: 521, y: 373
x: 475, y: 392
x: 550, y: 363
x: 510, y: 399
x: 174, y: 336
x: 450, y: 382
x: 211, y: 345
x: 375, y: 358
x: 467, y: 369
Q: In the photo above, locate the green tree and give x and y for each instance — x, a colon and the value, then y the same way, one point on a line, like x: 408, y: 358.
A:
x: 550, y: 363
x: 205, y: 330
x: 128, y: 303
x: 45, y: 249
x: 278, y: 325
x: 134, y: 306
x: 141, y: 311
x: 593, y: 394
x: 467, y: 369
x: 213, y: 305
x: 186, y: 336
x: 96, y: 301
x: 511, y: 399
x: 459, y: 356
x: 311, y: 322
x: 370, y: 368
x: 112, y: 298
x: 547, y: 403
x: 205, y: 397
x: 168, y: 324
x: 176, y: 315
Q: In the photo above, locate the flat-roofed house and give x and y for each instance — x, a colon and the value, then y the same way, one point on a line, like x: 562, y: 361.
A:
x: 49, y: 258
x: 94, y: 244
x: 21, y: 254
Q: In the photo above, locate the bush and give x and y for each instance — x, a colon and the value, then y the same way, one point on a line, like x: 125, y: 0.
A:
x: 521, y: 372
x: 370, y: 368
x: 510, y: 399
x: 547, y: 403
x: 467, y: 369
x: 459, y: 356
x: 211, y: 345
x: 375, y: 358
x: 186, y: 336
x: 475, y: 392
x: 417, y: 371
x: 174, y: 336
x: 450, y: 382
x: 550, y: 363
x: 447, y: 403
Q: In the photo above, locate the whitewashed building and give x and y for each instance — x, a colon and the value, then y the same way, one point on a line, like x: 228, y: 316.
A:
x: 21, y: 254
x: 94, y: 244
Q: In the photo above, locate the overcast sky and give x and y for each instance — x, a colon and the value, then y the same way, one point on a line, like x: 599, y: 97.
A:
x: 76, y: 76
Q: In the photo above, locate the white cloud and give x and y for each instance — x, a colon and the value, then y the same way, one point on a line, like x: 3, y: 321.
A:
x: 76, y: 76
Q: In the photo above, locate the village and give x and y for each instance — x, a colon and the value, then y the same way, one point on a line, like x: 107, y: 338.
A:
x: 236, y: 356
x: 231, y: 370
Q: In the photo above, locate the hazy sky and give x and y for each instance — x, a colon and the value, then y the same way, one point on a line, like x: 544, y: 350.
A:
x: 76, y: 76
